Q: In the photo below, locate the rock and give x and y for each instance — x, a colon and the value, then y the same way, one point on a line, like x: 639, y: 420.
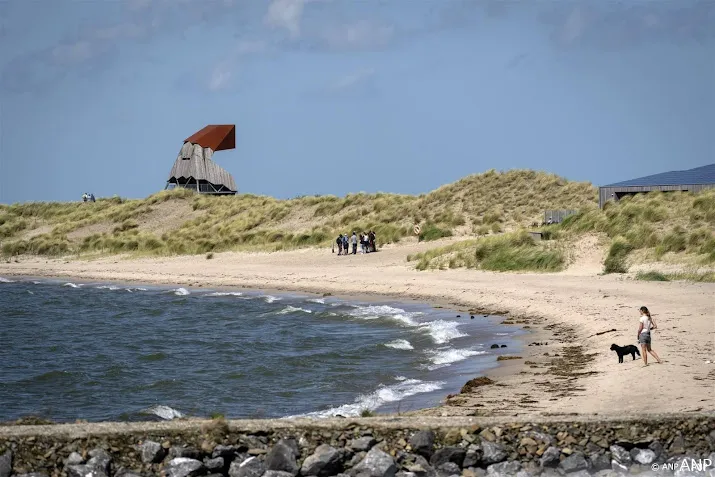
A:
x: 6, y: 464
x: 621, y: 456
x: 472, y: 457
x: 421, y: 468
x: 678, y: 445
x: 84, y: 470
x: 506, y: 469
x: 550, y: 457
x: 643, y: 456
x: 251, y: 467
x: 447, y: 469
x: 503, y: 346
x: 573, y: 463
x: 228, y: 453
x: 184, y: 467
x: 492, y: 453
x: 375, y: 464
x: 100, y: 460
x: 580, y: 473
x: 215, y: 465
x: 607, y: 473
x: 324, y: 462
x: 32, y: 474
x: 126, y: 473
x: 292, y: 444
x: 422, y: 443
x: 363, y: 444
x: 180, y: 451
x: 448, y: 454
x: 620, y: 468
x: 73, y: 459
x: 657, y: 447
x: 282, y: 458
x: 401, y: 474
x: 494, y: 346
x: 152, y: 452
x: 600, y: 462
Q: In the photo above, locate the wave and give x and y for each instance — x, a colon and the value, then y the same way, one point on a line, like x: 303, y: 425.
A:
x: 6, y: 280
x: 442, y: 331
x: 399, y: 344
x: 181, y: 291
x: 224, y: 294
x: 373, y: 312
x: 270, y: 299
x: 164, y: 412
x: 292, y: 309
x: 320, y: 301
x: 381, y: 396
x: 72, y: 285
x: 442, y: 358
x: 107, y: 287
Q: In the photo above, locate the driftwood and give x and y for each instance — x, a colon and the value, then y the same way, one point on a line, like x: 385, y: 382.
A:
x: 603, y: 332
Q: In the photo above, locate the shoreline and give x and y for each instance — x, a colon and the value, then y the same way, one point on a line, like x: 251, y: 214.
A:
x: 495, y: 370
x: 578, y: 314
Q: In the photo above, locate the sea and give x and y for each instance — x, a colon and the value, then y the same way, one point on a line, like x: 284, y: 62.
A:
x: 109, y: 352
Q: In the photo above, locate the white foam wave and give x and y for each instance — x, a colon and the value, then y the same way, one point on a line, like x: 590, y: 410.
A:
x: 442, y: 331
x: 381, y: 396
x: 107, y: 287
x: 225, y: 294
x: 72, y: 285
x: 181, y: 291
x: 320, y: 301
x: 6, y: 280
x: 36, y: 283
x: 270, y: 299
x: 502, y: 334
x: 164, y: 412
x: 292, y: 309
x: 373, y: 312
x: 442, y: 358
x: 399, y: 344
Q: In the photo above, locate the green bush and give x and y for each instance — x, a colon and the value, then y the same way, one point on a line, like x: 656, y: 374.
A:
x: 432, y: 232
x: 652, y: 276
x: 517, y: 251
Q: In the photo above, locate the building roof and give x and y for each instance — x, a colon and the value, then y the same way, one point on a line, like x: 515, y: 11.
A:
x: 218, y: 137
x: 699, y: 175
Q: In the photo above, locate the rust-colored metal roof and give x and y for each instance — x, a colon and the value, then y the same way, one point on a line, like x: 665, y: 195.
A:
x: 217, y: 136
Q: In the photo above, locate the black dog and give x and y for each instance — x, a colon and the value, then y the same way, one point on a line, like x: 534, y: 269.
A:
x: 625, y: 350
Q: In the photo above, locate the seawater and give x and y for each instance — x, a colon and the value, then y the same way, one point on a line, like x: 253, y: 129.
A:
x: 97, y: 351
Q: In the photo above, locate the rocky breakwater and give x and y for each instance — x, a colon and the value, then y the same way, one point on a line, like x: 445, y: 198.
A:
x: 378, y: 447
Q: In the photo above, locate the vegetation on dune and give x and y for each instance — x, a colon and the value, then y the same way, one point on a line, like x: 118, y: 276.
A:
x: 514, y: 251
x: 656, y: 223
x: 655, y: 276
x: 482, y: 204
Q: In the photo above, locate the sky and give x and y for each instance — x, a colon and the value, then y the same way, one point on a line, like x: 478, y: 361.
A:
x: 341, y: 96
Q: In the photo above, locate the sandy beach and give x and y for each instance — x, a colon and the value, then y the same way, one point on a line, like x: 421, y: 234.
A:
x: 573, y: 311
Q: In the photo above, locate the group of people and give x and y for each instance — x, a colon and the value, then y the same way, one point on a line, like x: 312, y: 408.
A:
x: 88, y: 197
x: 366, y: 240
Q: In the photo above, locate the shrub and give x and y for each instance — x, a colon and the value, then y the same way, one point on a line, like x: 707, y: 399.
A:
x: 432, y: 232
x: 652, y: 276
x: 617, y: 255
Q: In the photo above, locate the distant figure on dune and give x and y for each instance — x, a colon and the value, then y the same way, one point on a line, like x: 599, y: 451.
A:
x: 339, y: 241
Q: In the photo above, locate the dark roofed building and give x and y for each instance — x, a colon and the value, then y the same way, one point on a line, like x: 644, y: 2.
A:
x: 692, y: 180
x: 194, y: 167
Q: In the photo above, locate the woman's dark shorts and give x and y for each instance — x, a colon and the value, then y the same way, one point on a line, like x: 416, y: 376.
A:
x: 644, y: 338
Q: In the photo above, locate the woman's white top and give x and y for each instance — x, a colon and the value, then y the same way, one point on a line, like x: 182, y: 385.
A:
x: 646, y: 324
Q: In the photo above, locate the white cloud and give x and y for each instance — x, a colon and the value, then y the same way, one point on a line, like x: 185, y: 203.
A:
x: 220, y: 77
x: 574, y: 26
x: 286, y: 14
x: 353, y: 79
x: 359, y: 35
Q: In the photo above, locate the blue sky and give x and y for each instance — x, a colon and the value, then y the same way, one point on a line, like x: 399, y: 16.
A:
x: 338, y: 96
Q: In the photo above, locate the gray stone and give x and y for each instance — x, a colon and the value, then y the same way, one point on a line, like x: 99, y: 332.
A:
x: 355, y: 460
x: 573, y: 463
x: 580, y: 473
x: 657, y: 447
x: 492, y: 453
x: 277, y: 473
x: 402, y: 473
x: 550, y: 457
x: 606, y: 473
x: 422, y: 443
x: 620, y: 455
x: 506, y: 469
x: 6, y: 464
x: 184, y: 467
x: 152, y: 452
x: 228, y: 453
x: 32, y: 474
x: 421, y: 467
x: 282, y: 457
x: 251, y: 467
x: 84, y: 470
x: 678, y: 445
x: 447, y: 469
x: 324, y: 462
x: 600, y: 462
x: 687, y: 466
x: 643, y: 456
x: 448, y: 454
x: 73, y: 459
x: 188, y: 452
x: 618, y: 467
x: 215, y: 465
x: 100, y: 460
x: 362, y: 444
x: 375, y: 464
x: 472, y: 457
x: 126, y: 473
x: 291, y: 443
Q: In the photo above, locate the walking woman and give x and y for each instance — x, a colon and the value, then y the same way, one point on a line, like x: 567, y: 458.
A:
x: 646, y: 324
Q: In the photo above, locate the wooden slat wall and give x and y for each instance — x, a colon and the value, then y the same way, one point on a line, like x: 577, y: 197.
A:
x: 608, y: 193
x: 200, y: 166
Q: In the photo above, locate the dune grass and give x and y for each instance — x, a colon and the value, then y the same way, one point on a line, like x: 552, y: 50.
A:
x: 515, y: 251
x: 656, y: 276
x: 489, y: 202
x: 658, y: 223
